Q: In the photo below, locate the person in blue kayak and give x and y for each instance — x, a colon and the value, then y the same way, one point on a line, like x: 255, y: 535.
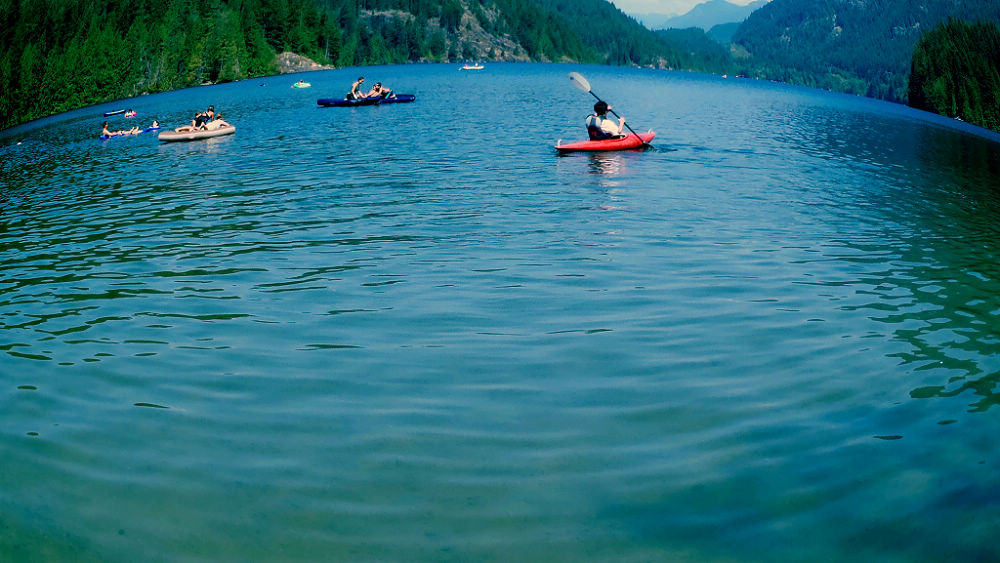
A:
x: 380, y: 91
x: 600, y: 126
x: 356, y: 92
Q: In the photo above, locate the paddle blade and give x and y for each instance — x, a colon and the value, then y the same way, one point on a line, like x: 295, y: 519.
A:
x: 579, y: 81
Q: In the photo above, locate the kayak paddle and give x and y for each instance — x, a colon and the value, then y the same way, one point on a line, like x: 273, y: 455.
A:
x: 580, y: 82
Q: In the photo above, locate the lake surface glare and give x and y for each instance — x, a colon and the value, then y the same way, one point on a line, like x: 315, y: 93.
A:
x: 415, y: 332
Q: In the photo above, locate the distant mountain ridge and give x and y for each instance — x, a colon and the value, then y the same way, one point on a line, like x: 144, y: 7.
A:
x: 712, y: 13
x: 652, y: 20
x: 861, y: 47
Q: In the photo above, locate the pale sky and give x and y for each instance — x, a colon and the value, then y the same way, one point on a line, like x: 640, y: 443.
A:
x: 663, y: 6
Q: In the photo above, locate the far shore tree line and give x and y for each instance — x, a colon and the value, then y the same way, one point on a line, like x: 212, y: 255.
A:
x: 59, y: 55
x: 956, y: 73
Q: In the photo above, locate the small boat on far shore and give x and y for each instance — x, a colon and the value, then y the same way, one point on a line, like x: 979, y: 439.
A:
x: 476, y: 66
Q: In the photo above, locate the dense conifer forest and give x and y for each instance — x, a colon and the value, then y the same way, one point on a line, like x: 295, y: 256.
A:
x: 861, y: 47
x: 63, y: 54
x: 956, y: 72
x: 58, y: 55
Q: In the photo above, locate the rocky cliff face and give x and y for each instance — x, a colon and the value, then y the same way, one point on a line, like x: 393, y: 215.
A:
x: 486, y: 46
x: 290, y: 62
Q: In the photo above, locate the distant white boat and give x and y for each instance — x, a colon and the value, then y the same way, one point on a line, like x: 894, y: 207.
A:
x: 476, y: 66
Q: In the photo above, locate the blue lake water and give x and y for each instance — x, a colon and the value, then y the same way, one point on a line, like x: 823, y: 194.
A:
x: 414, y: 332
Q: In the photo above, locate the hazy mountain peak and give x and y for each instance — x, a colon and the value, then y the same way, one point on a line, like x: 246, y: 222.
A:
x: 711, y: 13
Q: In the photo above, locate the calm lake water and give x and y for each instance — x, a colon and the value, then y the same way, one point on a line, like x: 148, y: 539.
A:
x: 414, y: 332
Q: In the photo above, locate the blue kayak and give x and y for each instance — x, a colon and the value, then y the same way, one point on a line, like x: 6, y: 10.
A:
x: 372, y: 101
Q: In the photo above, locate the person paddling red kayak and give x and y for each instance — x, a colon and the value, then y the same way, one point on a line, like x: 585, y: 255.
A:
x: 600, y: 126
x: 604, y: 133
x: 626, y: 142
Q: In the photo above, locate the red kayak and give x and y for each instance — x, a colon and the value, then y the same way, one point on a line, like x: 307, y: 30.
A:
x: 630, y: 141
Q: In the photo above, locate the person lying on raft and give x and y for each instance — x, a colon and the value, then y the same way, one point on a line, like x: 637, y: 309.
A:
x: 191, y: 127
x: 106, y: 133
x: 355, y: 92
x: 600, y: 126
x: 216, y: 123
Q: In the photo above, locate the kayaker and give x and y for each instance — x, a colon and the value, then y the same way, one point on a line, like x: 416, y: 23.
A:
x: 600, y: 126
x: 380, y: 91
x: 355, y: 92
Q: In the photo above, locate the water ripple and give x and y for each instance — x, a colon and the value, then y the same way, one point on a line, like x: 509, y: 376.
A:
x: 373, y: 342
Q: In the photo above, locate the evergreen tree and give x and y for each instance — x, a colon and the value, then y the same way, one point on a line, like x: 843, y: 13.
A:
x: 956, y: 72
x: 859, y: 47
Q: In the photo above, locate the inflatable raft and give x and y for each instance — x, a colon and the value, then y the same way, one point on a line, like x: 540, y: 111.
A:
x: 175, y: 136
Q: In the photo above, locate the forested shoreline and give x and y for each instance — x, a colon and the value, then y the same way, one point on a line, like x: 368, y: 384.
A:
x: 862, y: 47
x: 956, y: 73
x: 62, y: 54
x: 65, y: 54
